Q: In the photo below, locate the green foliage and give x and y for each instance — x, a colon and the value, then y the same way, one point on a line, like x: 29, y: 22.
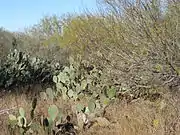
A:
x: 79, y: 107
x: 70, y: 94
x: 12, y: 120
x: 91, y: 106
x: 80, y: 81
x: 53, y: 113
x: 20, y: 121
x: 20, y: 69
x: 123, y: 50
x: 111, y: 40
x: 75, y: 80
x: 24, y: 127
x: 111, y: 92
x: 48, y: 26
x: 104, y: 100
x: 21, y: 112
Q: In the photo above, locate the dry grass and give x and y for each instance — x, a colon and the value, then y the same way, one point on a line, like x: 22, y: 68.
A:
x: 135, y: 118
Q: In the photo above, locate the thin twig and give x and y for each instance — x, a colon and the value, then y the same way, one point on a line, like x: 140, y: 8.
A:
x: 168, y: 81
x: 6, y: 110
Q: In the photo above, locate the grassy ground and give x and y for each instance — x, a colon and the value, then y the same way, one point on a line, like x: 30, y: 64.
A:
x: 139, y: 117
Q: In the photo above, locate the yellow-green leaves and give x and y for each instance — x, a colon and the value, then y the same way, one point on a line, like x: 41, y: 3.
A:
x: 12, y: 120
x: 155, y: 123
x: 158, y: 67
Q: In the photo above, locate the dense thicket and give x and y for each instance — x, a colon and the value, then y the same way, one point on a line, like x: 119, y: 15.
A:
x: 135, y: 43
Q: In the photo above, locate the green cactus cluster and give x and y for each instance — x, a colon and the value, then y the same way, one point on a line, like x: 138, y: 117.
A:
x: 77, y: 80
x: 21, y: 121
x: 54, y: 113
x: 82, y: 81
x: 21, y: 69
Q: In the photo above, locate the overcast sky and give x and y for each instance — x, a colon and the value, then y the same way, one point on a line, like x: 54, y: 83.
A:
x: 17, y: 14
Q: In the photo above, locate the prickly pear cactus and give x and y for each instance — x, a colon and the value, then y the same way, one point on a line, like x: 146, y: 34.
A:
x: 21, y: 68
x: 53, y: 112
x: 76, y: 79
